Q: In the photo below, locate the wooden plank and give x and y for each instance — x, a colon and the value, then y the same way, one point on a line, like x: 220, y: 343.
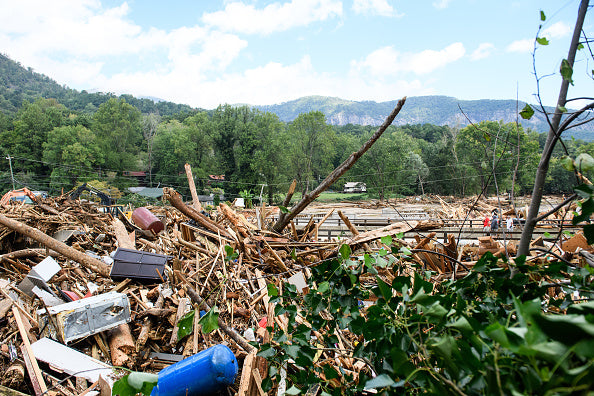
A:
x: 246, y: 374
x: 30, y: 361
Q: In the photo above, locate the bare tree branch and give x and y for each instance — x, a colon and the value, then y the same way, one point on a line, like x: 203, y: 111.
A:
x: 338, y: 172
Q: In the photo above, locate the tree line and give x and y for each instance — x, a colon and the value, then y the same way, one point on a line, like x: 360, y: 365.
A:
x: 52, y: 148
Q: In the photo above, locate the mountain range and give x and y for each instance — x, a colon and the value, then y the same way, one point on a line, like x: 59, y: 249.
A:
x: 18, y: 83
x: 436, y: 110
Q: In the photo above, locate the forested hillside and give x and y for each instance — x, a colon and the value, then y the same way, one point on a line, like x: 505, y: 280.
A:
x: 55, y: 138
x: 18, y: 83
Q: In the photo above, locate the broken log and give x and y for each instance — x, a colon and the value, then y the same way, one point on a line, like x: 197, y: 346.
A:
x: 121, y: 345
x: 121, y: 235
x: 195, y: 200
x: 176, y: 201
x: 29, y: 357
x: 391, y: 229
x: 280, y: 225
x: 352, y: 229
x: 287, y: 200
x: 53, y: 244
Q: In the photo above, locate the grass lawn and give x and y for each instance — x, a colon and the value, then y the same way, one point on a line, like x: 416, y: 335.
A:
x: 327, y: 196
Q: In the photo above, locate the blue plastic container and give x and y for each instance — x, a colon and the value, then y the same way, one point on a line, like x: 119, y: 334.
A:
x: 201, y: 374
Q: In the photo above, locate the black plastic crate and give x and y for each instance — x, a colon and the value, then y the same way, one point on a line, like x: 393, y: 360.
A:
x: 134, y: 264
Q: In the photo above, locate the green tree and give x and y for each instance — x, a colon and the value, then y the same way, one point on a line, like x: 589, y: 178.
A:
x: 268, y: 157
x: 311, y: 148
x: 118, y: 127
x: 30, y: 128
x: 557, y: 123
x: 150, y: 122
x: 176, y: 144
x: 72, y: 152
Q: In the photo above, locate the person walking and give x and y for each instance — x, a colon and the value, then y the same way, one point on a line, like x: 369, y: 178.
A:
x: 494, y: 223
x: 487, y: 225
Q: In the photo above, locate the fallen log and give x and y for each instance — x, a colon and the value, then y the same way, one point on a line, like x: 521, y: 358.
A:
x: 53, y: 244
x: 121, y: 345
x: 176, y: 201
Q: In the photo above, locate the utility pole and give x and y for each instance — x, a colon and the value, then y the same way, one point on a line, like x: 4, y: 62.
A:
x: 9, y: 158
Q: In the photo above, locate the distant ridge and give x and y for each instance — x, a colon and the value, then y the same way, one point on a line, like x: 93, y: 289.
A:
x: 437, y: 110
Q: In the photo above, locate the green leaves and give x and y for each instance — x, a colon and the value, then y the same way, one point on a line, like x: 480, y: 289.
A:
x: 230, y: 253
x: 527, y: 112
x: 421, y: 335
x: 210, y: 321
x: 185, y: 326
x: 584, y: 162
x: 345, y: 251
x: 542, y: 41
x: 272, y: 290
x: 542, y: 16
x: 566, y: 71
x: 134, y: 383
x: 381, y: 381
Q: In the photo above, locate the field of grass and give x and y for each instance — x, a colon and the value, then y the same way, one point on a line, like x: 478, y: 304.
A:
x: 329, y: 196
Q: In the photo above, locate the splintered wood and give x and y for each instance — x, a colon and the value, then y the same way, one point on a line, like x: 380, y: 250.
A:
x: 222, y: 259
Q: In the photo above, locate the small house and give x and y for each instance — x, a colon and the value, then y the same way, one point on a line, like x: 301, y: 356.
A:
x: 355, y: 187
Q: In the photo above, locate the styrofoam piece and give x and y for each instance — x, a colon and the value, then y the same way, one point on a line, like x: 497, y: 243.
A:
x: 299, y: 281
x: 47, y: 268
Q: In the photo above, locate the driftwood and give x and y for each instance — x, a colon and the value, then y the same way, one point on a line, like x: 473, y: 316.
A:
x: 338, y: 172
x: 53, y: 244
x: 121, y: 345
x: 121, y: 235
x: 204, y: 270
x: 196, y: 201
x: 352, y: 229
x: 176, y: 201
x: 32, y: 366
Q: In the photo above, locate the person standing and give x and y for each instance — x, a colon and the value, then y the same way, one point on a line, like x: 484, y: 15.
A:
x: 494, y: 223
x: 509, y: 223
x: 487, y: 225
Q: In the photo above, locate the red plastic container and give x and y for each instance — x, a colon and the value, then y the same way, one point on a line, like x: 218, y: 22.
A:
x: 144, y: 219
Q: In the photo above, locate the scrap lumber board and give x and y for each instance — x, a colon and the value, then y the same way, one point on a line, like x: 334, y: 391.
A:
x: 29, y: 356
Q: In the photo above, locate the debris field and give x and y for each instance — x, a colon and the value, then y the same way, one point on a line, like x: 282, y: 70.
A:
x: 141, y: 281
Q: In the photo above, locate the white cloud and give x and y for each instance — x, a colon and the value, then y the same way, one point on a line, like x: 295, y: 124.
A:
x: 557, y: 30
x: 73, y: 43
x: 245, y: 18
x: 526, y: 45
x: 483, y: 51
x: 387, y: 61
x: 441, y: 4
x: 374, y: 7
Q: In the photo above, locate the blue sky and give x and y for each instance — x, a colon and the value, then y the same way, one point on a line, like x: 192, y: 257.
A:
x: 204, y: 53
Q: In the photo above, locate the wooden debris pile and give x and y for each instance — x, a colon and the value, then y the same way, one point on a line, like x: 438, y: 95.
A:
x: 222, y: 259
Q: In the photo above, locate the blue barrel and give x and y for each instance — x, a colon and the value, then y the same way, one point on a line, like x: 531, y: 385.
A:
x: 206, y: 372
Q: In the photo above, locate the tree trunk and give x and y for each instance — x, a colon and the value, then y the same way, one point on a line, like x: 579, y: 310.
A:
x: 60, y: 247
x: 552, y: 138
